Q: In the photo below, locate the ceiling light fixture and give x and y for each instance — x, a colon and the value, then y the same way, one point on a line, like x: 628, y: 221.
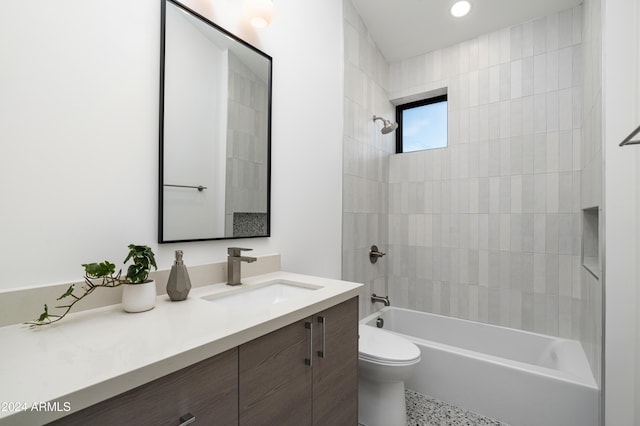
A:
x: 259, y: 12
x: 460, y: 8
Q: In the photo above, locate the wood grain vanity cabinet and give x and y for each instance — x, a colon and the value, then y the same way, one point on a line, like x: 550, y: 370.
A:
x: 305, y: 373
x: 335, y: 370
x: 208, y: 390
x: 275, y: 382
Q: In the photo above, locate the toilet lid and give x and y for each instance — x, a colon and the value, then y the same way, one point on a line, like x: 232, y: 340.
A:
x: 380, y: 345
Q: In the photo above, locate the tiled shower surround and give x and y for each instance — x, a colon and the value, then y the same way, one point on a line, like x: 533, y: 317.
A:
x: 591, y: 194
x: 365, y: 160
x: 489, y: 228
x: 246, y: 189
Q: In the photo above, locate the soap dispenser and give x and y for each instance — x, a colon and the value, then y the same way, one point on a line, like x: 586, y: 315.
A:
x: 179, y: 283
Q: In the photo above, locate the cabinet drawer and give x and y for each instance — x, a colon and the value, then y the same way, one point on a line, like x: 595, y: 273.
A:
x: 208, y: 390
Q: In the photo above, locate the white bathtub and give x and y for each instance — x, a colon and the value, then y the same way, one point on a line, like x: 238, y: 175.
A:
x: 514, y: 376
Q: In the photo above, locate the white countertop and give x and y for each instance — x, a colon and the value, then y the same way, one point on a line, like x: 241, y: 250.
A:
x: 93, y: 355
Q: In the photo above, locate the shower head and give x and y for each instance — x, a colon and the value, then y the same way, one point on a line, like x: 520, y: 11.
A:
x: 388, y: 126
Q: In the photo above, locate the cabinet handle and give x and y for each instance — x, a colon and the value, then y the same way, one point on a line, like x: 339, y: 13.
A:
x: 309, y: 361
x: 187, y: 419
x: 323, y: 350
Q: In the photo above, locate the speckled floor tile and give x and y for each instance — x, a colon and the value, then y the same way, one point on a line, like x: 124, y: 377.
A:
x: 425, y: 411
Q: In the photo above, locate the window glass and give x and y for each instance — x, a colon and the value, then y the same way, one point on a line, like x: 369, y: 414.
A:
x: 422, y: 125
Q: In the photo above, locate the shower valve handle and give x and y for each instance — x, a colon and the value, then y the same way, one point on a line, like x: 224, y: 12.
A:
x: 375, y: 254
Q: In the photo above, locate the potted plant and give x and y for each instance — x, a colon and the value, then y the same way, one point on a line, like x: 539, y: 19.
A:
x: 138, y: 295
x: 139, y: 292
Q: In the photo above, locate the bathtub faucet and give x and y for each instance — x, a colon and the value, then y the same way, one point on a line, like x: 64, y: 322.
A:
x: 383, y: 299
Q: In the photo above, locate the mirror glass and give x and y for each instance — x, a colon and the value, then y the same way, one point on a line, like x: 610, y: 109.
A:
x: 215, y: 131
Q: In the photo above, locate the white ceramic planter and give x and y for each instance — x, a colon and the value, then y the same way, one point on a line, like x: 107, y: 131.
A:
x: 139, y: 297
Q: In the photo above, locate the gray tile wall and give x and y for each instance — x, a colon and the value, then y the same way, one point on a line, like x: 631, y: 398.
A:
x: 246, y: 172
x: 488, y: 229
x: 591, y: 287
x: 365, y: 162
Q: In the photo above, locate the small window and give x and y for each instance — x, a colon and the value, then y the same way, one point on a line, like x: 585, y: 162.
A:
x: 422, y: 125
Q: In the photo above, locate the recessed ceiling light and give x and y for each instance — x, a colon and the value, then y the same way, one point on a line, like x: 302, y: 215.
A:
x: 460, y: 8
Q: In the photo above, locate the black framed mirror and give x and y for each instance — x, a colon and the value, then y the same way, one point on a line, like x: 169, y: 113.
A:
x: 215, y: 131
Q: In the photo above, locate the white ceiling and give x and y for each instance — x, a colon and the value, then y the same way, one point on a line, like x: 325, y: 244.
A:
x: 406, y: 28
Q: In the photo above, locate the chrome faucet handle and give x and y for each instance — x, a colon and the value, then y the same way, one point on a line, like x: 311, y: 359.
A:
x: 233, y: 264
x: 235, y: 251
x: 375, y: 254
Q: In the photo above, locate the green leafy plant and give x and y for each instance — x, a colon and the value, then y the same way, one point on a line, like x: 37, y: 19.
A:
x: 103, y: 274
x: 143, y: 259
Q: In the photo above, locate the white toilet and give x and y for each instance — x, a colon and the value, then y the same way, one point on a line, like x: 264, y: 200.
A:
x: 385, y: 361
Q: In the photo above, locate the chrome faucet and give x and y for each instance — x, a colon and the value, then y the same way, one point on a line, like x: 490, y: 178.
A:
x: 233, y: 264
x: 383, y: 299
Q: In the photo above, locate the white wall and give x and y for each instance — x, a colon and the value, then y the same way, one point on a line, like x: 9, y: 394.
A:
x: 621, y: 115
x: 79, y: 135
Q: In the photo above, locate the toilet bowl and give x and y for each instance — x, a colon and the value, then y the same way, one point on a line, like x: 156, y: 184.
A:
x: 385, y: 360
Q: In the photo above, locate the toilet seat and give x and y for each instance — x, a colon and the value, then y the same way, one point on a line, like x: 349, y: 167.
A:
x: 383, y: 347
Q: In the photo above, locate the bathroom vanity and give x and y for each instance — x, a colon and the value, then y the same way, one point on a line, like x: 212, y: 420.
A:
x: 207, y: 391
x: 277, y: 388
x: 293, y: 362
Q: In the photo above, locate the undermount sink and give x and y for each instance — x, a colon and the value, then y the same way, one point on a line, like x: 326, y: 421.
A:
x: 260, y: 296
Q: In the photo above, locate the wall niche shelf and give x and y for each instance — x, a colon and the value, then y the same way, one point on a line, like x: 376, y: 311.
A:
x: 591, y: 241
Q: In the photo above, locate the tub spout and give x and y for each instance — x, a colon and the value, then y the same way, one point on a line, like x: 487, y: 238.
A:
x: 383, y: 299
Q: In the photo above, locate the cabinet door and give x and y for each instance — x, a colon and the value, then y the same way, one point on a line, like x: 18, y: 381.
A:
x: 335, y: 367
x: 208, y: 390
x: 275, y: 377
